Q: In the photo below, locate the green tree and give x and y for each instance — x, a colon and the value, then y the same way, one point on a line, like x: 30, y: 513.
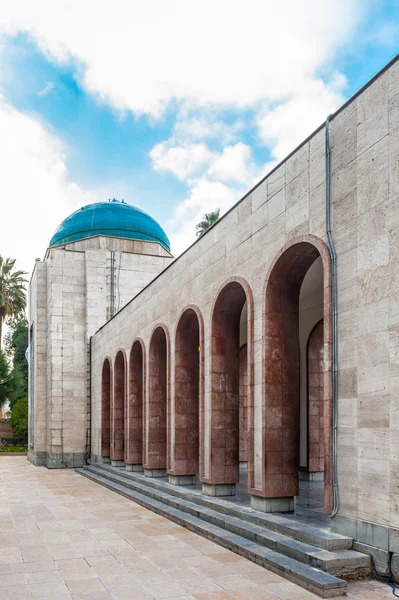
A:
x: 208, y: 220
x: 7, y: 381
x: 15, y: 344
x: 12, y: 291
x: 19, y: 418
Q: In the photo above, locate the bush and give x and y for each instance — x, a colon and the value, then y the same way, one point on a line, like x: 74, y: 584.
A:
x: 14, y: 441
x: 19, y: 418
x: 14, y: 449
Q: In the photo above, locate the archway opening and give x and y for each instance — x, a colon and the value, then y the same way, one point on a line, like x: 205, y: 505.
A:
x: 186, y: 400
x: 297, y: 297
x: 106, y: 411
x: 134, y: 455
x: 118, y: 419
x: 156, y: 450
x: 229, y: 377
x: 315, y: 404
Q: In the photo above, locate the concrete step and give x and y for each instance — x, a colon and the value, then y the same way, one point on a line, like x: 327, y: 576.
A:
x: 305, y: 575
x: 302, y: 529
x: 338, y: 562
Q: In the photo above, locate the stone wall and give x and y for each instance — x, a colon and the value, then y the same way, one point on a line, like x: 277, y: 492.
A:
x: 288, y: 207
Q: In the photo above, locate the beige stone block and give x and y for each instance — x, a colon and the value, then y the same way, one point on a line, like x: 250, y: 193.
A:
x: 343, y: 138
x: 297, y: 163
x: 373, y: 255
x: 297, y: 188
x: 276, y: 181
x: 373, y: 99
x: 347, y: 412
x: 259, y: 196
x: 372, y: 224
x: 297, y: 214
x: 373, y: 378
x: 373, y: 349
x: 374, y: 285
x: 344, y: 181
x: 373, y: 317
x: 344, y: 222
x: 347, y: 382
x: 372, y: 176
x: 276, y: 205
x: 373, y: 411
x: 373, y: 450
x: 393, y: 80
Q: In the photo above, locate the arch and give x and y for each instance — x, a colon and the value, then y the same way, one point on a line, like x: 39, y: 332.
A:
x: 156, y: 423
x: 134, y: 437
x: 188, y: 390
x: 225, y: 382
x: 106, y: 394
x: 315, y: 414
x: 119, y: 408
x: 281, y: 368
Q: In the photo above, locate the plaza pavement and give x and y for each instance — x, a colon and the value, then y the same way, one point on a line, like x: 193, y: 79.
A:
x: 65, y: 537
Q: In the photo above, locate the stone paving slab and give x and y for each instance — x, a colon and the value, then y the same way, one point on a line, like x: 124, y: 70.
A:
x: 65, y: 537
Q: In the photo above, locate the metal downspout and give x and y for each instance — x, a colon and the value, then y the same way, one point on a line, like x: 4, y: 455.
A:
x: 333, y: 256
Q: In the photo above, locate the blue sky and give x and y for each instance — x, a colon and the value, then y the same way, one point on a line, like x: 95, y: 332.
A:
x: 120, y: 119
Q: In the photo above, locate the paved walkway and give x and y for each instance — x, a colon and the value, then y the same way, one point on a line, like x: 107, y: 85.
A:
x: 65, y: 537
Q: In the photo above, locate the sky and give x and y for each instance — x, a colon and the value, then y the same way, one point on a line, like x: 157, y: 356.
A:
x: 177, y: 107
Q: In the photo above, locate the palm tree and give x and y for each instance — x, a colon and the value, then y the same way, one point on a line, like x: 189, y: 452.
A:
x: 12, y: 291
x: 207, y: 222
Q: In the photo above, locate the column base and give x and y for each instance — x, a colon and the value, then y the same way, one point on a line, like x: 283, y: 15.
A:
x: 155, y: 472
x: 219, y: 489
x: 135, y: 468
x: 272, y: 505
x: 106, y: 460
x: 307, y: 476
x: 117, y: 463
x: 182, y: 479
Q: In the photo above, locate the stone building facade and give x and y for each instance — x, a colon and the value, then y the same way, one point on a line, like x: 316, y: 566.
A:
x: 230, y: 358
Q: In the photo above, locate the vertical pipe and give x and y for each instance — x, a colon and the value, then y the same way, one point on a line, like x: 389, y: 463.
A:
x: 333, y: 256
x: 112, y: 283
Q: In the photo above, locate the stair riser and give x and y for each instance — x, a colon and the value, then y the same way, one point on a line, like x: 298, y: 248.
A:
x: 246, y: 552
x: 320, y: 542
x: 336, y: 567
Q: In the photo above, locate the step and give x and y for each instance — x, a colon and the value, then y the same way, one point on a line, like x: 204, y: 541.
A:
x: 311, y: 578
x: 339, y: 563
x: 297, y: 527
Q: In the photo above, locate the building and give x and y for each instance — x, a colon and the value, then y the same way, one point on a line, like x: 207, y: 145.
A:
x: 271, y: 344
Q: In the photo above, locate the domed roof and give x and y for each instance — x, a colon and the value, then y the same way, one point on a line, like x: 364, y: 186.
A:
x: 112, y: 219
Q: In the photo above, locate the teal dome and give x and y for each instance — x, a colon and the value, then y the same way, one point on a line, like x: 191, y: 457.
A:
x: 112, y: 219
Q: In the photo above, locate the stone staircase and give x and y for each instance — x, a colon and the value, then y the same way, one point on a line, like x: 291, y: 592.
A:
x: 299, y: 549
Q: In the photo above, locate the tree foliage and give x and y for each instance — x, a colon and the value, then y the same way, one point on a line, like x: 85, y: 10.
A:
x: 15, y: 344
x: 12, y: 291
x: 19, y: 418
x: 7, y: 380
x: 208, y: 220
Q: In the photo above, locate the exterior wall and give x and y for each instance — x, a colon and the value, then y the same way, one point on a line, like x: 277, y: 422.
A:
x: 38, y: 361
x: 287, y: 207
x: 69, y: 300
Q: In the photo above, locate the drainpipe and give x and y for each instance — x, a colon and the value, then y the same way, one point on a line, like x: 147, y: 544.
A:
x: 112, y: 283
x: 333, y: 256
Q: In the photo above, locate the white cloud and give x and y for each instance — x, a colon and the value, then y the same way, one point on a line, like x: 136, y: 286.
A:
x: 204, y: 197
x: 284, y: 127
x: 140, y: 56
x: 235, y: 164
x: 47, y: 88
x: 183, y: 161
x: 259, y: 60
x: 35, y: 189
